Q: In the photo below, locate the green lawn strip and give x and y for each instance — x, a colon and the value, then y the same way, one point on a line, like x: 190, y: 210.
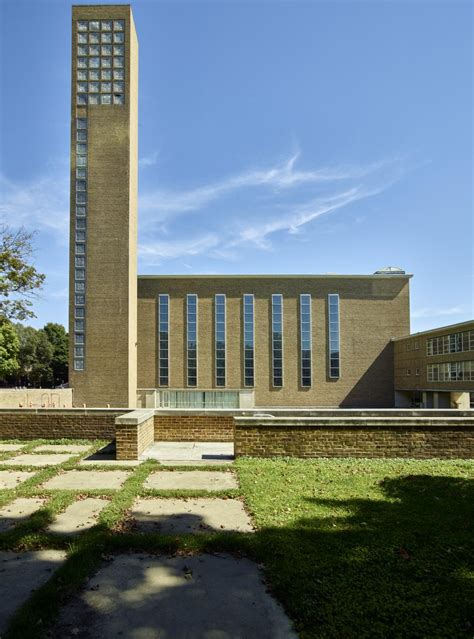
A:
x: 365, y: 548
x: 104, y: 467
x: 30, y: 534
x: 115, y: 512
x: 190, y: 493
x: 222, y: 468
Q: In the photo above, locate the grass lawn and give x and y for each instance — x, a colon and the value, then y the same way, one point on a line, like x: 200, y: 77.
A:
x: 352, y: 548
x: 367, y: 548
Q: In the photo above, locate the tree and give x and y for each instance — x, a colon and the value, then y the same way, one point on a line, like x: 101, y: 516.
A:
x: 58, y: 338
x: 41, y: 371
x: 19, y: 279
x: 9, y: 349
x: 26, y: 353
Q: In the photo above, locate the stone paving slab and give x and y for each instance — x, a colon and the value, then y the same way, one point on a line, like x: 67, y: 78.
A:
x: 186, y: 462
x: 87, y: 480
x: 18, y: 510
x: 191, y: 480
x: 20, y: 574
x: 209, y: 452
x: 200, y: 515
x: 64, y: 448
x: 139, y: 596
x: 12, y: 478
x: 4, y: 448
x: 78, y: 516
x: 41, y: 459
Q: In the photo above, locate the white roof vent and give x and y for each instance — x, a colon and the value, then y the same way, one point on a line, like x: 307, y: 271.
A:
x: 390, y: 270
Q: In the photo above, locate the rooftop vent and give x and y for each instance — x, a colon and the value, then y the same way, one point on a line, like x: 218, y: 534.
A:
x: 390, y: 270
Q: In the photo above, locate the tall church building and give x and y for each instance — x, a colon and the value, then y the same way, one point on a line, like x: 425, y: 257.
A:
x: 103, y: 245
x: 234, y: 341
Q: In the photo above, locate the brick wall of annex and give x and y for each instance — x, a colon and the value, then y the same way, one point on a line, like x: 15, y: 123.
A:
x: 197, y: 428
x: 411, y: 361
x: 32, y: 425
x: 419, y: 443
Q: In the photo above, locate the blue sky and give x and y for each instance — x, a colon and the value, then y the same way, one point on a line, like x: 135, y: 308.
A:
x: 275, y: 137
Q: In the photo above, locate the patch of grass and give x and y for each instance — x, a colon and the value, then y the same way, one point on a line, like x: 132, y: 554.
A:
x: 352, y: 548
x: 366, y: 548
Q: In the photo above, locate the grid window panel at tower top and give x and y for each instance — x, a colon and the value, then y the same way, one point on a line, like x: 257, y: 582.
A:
x: 100, y: 56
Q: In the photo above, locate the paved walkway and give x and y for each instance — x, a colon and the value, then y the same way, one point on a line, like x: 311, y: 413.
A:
x: 141, y: 596
x: 191, y: 453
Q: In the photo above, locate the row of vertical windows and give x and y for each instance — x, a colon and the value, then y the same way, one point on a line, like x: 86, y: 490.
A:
x: 220, y: 335
x: 277, y: 340
x: 451, y: 372
x: 453, y: 343
x: 163, y: 339
x: 80, y: 222
x: 305, y: 339
x: 334, y: 337
x: 248, y: 339
x: 191, y: 331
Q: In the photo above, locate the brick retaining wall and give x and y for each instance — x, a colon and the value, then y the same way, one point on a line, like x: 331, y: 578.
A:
x: 134, y: 433
x: 196, y: 428
x: 419, y: 442
x: 56, y: 424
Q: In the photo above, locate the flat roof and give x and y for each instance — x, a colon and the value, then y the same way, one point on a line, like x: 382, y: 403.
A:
x: 449, y: 327
x: 279, y: 276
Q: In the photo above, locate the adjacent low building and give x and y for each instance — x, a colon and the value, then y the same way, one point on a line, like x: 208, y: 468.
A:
x: 435, y: 368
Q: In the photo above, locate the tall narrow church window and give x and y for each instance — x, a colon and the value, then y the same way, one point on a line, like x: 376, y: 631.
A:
x: 163, y: 340
x: 220, y: 339
x: 191, y: 330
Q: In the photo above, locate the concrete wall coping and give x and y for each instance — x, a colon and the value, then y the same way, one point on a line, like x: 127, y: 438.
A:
x: 357, y: 422
x: 136, y: 417
x: 64, y: 411
x: 343, y: 413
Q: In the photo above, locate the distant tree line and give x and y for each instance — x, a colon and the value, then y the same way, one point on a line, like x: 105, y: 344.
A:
x: 28, y: 356
x: 33, y: 357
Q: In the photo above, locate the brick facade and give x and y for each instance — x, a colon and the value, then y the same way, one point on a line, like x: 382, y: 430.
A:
x: 57, y: 424
x: 373, y: 309
x: 133, y: 438
x: 418, y: 442
x: 194, y: 428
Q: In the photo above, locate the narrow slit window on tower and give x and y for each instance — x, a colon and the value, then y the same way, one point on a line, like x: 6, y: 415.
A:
x: 277, y: 340
x: 163, y: 339
x: 334, y: 336
x: 305, y: 339
x: 220, y: 339
x: 192, y: 337
x: 249, y: 340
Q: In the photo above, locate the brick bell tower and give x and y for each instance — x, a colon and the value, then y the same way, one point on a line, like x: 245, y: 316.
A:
x: 103, y: 233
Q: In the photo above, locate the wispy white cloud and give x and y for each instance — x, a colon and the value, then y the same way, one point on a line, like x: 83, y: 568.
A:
x: 41, y: 203
x: 282, y: 176
x: 155, y: 253
x: 292, y: 199
x: 438, y: 312
x: 148, y: 160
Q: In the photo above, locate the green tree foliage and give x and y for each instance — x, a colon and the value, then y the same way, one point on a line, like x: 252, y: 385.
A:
x: 42, y: 356
x: 58, y: 338
x: 9, y: 349
x: 19, y: 279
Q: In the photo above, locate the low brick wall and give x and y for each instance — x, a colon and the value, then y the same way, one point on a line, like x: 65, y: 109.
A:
x: 55, y: 424
x: 194, y: 427
x: 418, y: 442
x: 134, y: 432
